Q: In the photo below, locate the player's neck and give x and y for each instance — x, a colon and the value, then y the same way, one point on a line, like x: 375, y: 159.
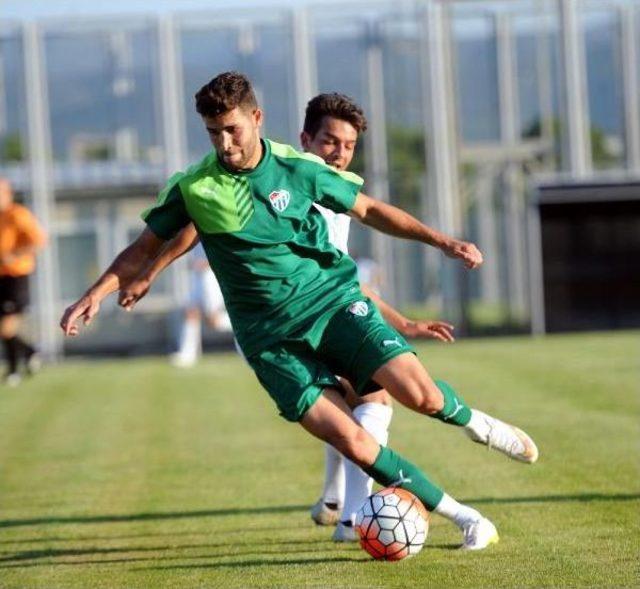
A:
x: 256, y: 158
x: 252, y: 162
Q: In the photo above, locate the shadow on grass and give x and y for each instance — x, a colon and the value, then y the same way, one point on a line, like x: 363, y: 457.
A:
x: 160, y: 515
x: 209, y: 565
x: 256, y: 563
x: 449, y: 546
x: 580, y: 498
x: 104, y: 537
x: 170, y: 515
x: 17, y: 560
x: 173, y: 534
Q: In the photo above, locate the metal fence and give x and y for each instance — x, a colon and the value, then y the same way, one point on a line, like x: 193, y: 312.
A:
x: 468, y: 103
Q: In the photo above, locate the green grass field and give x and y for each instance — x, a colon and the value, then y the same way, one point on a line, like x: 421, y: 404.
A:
x: 135, y: 474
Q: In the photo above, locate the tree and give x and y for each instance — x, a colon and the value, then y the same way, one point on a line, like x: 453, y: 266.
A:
x: 11, y: 148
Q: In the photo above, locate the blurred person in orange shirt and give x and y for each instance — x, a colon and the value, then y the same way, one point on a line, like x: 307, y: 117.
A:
x: 20, y: 238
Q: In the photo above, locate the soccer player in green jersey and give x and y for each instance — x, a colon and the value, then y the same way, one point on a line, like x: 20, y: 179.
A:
x: 332, y: 126
x: 294, y: 299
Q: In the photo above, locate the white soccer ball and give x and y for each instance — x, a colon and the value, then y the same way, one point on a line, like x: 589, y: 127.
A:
x: 392, y: 524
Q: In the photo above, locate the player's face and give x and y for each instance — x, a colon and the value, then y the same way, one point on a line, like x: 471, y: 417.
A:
x: 6, y: 195
x: 335, y: 142
x: 235, y: 135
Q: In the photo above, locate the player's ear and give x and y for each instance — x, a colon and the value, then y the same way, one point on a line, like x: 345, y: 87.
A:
x: 305, y: 140
x: 258, y: 117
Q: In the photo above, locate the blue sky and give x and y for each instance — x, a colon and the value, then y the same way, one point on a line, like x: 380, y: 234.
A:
x: 21, y: 9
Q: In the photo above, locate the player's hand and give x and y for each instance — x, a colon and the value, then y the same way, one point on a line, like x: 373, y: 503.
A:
x: 135, y: 291
x: 429, y: 330
x: 86, y: 308
x: 470, y: 255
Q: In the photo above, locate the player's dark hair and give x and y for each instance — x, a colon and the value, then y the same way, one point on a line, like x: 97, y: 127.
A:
x: 224, y: 93
x: 334, y: 105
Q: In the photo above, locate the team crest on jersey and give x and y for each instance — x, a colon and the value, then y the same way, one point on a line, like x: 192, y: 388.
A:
x: 279, y: 200
x: 361, y: 309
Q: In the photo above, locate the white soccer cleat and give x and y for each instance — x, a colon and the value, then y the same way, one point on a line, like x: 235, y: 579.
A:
x: 180, y: 360
x: 325, y: 515
x: 344, y: 533
x: 505, y: 438
x: 34, y: 364
x: 479, y: 534
x: 12, y: 380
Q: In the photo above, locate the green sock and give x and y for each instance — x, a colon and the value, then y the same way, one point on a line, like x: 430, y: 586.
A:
x: 455, y: 410
x: 391, y: 470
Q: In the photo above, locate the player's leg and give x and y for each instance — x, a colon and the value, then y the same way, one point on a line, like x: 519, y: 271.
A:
x: 330, y: 419
x: 373, y: 412
x: 359, y: 341
x: 14, y: 299
x: 189, y: 339
x: 26, y: 350
x: 409, y: 382
x: 9, y: 324
x: 213, y: 303
x: 26, y: 353
x: 345, y: 485
x: 326, y: 511
x: 305, y: 391
x: 190, y: 335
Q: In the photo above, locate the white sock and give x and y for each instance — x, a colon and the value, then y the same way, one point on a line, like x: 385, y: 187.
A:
x: 374, y: 418
x: 333, y: 491
x: 190, y: 339
x: 456, y: 512
x: 478, y: 424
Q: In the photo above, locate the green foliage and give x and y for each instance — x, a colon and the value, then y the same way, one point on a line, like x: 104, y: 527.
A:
x: 407, y: 166
x: 406, y: 150
x: 135, y: 474
x: 12, y: 148
x: 98, y: 152
x: 601, y: 154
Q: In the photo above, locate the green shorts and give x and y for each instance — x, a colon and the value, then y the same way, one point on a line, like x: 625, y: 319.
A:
x: 353, y: 342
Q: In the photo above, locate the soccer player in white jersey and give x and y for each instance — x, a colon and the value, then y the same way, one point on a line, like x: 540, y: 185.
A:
x: 205, y: 299
x: 332, y: 126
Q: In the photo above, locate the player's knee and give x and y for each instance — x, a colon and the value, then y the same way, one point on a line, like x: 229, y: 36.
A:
x: 424, y: 396
x: 432, y: 403
x: 354, y: 446
x: 382, y: 397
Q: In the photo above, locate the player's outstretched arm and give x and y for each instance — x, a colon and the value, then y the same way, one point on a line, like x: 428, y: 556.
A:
x: 396, y: 222
x: 135, y: 290
x: 123, y: 269
x: 407, y: 327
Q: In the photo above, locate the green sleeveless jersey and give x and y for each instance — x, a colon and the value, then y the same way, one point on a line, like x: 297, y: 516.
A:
x: 266, y: 242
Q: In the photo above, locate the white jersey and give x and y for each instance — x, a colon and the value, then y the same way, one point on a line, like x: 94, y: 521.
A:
x: 338, y: 224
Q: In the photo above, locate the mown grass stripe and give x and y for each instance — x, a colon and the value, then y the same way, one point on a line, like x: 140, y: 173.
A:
x: 113, y: 475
